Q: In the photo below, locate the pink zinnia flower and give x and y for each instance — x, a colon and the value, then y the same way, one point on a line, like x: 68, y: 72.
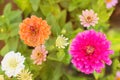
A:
x: 88, y: 18
x: 39, y: 54
x: 117, y: 75
x: 111, y: 3
x: 89, y: 51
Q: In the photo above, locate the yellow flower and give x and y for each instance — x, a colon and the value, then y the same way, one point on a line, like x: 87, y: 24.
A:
x: 1, y: 77
x: 24, y: 75
x: 61, y: 41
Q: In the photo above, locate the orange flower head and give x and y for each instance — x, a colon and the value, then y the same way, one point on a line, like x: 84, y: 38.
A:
x: 34, y: 31
x: 39, y: 54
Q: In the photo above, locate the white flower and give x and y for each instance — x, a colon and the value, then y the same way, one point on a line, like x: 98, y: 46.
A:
x: 61, y: 41
x: 12, y: 63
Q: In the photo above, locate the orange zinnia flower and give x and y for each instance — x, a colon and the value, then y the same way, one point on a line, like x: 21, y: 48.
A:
x: 39, y: 54
x: 34, y: 31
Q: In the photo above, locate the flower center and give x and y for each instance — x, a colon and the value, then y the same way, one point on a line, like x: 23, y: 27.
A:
x: 108, y: 1
x: 90, y: 49
x: 33, y: 30
x: 39, y: 55
x: 89, y: 19
x: 13, y: 63
x: 25, y: 76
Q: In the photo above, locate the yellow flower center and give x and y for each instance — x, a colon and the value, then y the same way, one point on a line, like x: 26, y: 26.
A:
x: 12, y: 63
x: 108, y: 1
x: 90, y: 49
x: 39, y: 55
x: 89, y: 19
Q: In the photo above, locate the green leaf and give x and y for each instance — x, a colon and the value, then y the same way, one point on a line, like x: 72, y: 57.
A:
x: 99, y: 75
x: 54, y: 1
x: 114, y: 37
x: 67, y: 28
x: 48, y: 8
x: 1, y: 20
x: 55, y: 28
x: 62, y: 18
x: 46, y: 73
x: 74, y: 4
x: 60, y: 55
x: 4, y: 36
x: 77, y: 77
x: 67, y: 58
x: 24, y: 5
x: 103, y: 14
x: 12, y: 45
x: 35, y: 4
x: 4, y: 50
x: 57, y: 72
x: 14, y: 16
x: 74, y: 33
x: 65, y: 4
x: 115, y: 65
x: 7, y: 9
x: 13, y: 29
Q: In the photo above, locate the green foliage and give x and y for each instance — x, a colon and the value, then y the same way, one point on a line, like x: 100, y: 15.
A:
x: 9, y: 26
x: 74, y: 4
x: 114, y: 37
x: 24, y: 5
x: 62, y: 16
x: 35, y: 4
x: 55, y: 28
x: 47, y: 8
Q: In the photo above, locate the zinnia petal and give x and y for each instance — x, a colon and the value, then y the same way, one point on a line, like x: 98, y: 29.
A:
x: 39, y: 54
x: 88, y: 18
x: 89, y: 51
x: 34, y: 31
